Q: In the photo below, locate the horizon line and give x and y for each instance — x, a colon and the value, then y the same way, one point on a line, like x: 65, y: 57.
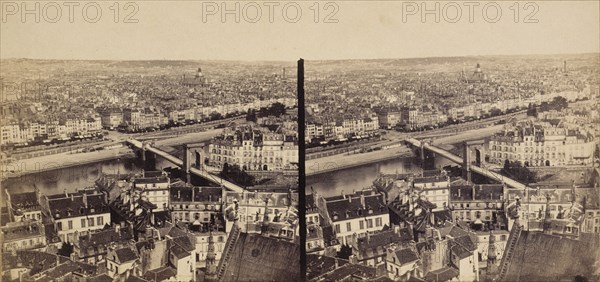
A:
x: 314, y: 60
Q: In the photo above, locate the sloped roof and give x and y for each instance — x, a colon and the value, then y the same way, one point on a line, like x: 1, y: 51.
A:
x: 351, y: 207
x: 544, y: 257
x: 443, y: 274
x: 258, y: 258
x: 125, y: 254
x: 317, y: 265
x: 406, y: 255
x: 160, y: 274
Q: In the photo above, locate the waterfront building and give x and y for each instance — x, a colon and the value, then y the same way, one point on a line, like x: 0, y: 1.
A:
x: 76, y: 213
x: 388, y: 119
x: 23, y: 206
x: 544, y: 143
x: 356, y: 214
x: 111, y: 118
x: 435, y: 189
x: 154, y: 186
x: 254, y: 149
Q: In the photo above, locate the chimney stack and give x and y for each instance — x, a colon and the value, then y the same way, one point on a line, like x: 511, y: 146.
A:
x: 362, y: 200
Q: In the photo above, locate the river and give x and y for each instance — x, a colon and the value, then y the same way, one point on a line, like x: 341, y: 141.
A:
x: 72, y: 178
x: 359, y: 177
x: 327, y: 184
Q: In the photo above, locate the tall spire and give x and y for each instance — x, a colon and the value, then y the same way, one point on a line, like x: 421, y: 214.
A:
x: 211, y: 266
x: 492, y: 268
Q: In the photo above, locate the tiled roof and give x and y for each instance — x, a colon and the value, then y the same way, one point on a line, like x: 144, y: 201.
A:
x: 24, y: 200
x: 383, y: 238
x: 185, y: 243
x: 104, y: 237
x: 181, y: 193
x: 430, y: 179
x: 258, y: 258
x: 101, y: 278
x: 460, y: 251
x: 179, y: 252
x: 125, y: 254
x: 443, y: 274
x: 160, y: 274
x: 317, y: 265
x: 151, y: 180
x: 351, y: 207
x: 133, y: 278
x: 406, y: 255
x: 359, y: 271
x: 74, y: 205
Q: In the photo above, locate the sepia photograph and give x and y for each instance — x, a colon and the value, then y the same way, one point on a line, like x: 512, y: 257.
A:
x: 230, y: 140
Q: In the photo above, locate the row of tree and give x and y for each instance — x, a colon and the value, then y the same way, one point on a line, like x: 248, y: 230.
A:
x: 558, y: 104
x: 276, y: 109
x: 234, y: 174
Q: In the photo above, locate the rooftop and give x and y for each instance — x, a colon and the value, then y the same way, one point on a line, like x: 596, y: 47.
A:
x: 359, y: 204
x: 76, y: 204
x: 183, y: 193
x: 258, y: 258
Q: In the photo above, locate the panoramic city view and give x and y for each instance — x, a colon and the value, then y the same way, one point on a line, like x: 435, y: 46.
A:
x: 300, y: 141
x: 453, y: 169
x: 149, y: 171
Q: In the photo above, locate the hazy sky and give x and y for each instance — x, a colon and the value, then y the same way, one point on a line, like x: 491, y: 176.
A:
x: 365, y: 30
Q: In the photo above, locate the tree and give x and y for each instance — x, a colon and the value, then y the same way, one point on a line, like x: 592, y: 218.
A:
x: 495, y: 112
x: 251, y: 115
x: 531, y: 110
x: 66, y: 249
x: 518, y: 172
x: 235, y: 174
x: 277, y: 109
x: 215, y: 116
x: 559, y: 103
